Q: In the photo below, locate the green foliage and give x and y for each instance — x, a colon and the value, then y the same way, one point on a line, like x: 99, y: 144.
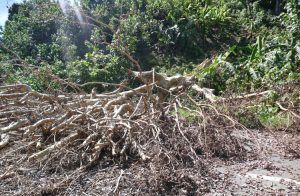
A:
x: 271, y: 118
x: 265, y: 115
x: 38, y: 31
x: 38, y: 80
x: 153, y: 32
x: 273, y: 58
x: 98, y: 66
x: 266, y: 112
x: 188, y: 115
x: 185, y: 26
x: 171, y: 35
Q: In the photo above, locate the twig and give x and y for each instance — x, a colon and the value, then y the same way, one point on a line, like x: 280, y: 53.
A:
x: 38, y: 124
x: 104, y: 83
x: 178, y: 125
x: 4, y: 140
x: 57, y: 145
x: 13, y: 126
x: 118, y: 181
x: 7, y: 175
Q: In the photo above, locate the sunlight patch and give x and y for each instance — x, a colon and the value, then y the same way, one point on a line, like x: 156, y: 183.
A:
x: 71, y: 5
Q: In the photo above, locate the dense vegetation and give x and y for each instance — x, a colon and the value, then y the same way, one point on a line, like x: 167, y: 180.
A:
x: 249, y: 45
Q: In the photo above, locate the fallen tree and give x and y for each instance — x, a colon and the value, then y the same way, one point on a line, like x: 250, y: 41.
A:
x: 112, y: 120
x: 158, y: 122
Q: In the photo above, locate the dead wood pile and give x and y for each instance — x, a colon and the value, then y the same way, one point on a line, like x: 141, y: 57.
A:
x: 158, y: 123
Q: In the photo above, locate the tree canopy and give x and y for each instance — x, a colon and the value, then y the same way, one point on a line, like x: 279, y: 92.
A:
x: 248, y: 42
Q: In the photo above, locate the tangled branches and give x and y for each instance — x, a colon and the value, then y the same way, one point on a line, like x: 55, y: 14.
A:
x: 157, y: 123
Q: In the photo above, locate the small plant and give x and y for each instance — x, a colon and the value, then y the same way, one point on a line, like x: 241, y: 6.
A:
x: 272, y: 119
x: 188, y: 115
